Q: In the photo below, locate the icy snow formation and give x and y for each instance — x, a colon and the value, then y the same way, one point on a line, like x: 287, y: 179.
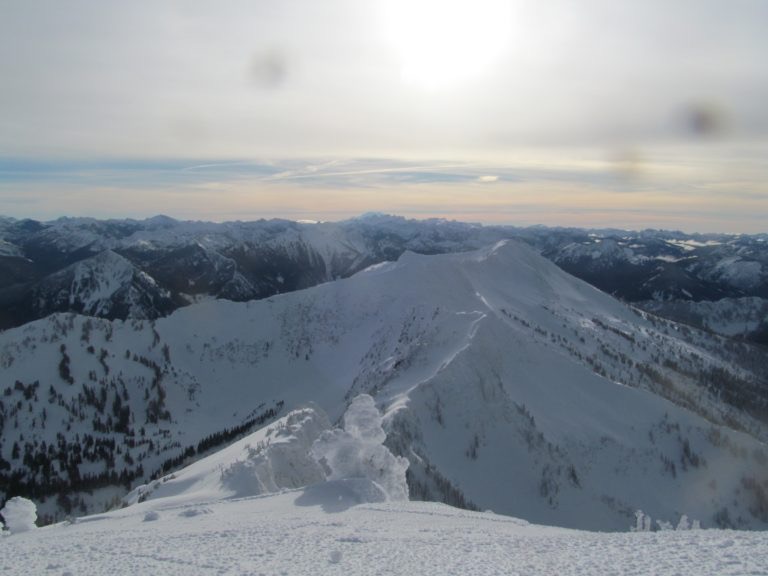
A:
x: 358, y: 451
x: 273, y: 458
x: 20, y: 515
x: 296, y: 451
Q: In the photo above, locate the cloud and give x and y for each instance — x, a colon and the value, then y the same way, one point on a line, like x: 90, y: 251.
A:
x: 699, y: 189
x: 487, y: 179
x: 301, y: 78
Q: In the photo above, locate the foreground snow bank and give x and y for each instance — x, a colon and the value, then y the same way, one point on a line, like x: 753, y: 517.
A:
x: 357, y: 451
x: 277, y: 534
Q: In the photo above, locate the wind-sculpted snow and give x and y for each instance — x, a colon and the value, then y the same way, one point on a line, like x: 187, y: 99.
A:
x: 269, y: 460
x: 357, y: 451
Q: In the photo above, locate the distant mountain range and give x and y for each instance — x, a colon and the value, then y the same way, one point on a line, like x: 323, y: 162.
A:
x: 121, y: 269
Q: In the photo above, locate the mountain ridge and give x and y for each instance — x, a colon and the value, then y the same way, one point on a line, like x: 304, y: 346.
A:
x: 192, y: 261
x: 506, y: 383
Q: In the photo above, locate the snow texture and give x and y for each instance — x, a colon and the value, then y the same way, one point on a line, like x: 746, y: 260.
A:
x: 20, y: 515
x: 358, y: 451
x: 271, y: 459
x: 285, y: 534
x: 191, y: 523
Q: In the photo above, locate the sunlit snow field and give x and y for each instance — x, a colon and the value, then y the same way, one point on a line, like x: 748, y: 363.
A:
x: 316, y: 531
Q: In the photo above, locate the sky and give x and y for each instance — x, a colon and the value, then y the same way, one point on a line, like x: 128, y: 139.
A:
x: 593, y: 113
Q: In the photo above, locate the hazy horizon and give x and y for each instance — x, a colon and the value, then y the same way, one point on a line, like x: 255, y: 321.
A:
x: 374, y: 213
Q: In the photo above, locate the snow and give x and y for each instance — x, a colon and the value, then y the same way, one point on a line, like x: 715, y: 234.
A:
x: 740, y: 273
x: 357, y: 451
x: 268, y: 460
x: 193, y: 523
x: 197, y: 298
x: 480, y: 362
x: 20, y: 515
x: 99, y: 285
x: 668, y: 258
x: 302, y: 532
x: 10, y: 250
x: 96, y: 280
x: 691, y: 244
x: 602, y: 251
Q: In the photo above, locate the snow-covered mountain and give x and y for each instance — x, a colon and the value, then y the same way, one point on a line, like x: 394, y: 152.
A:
x: 106, y: 285
x: 186, y: 262
x: 177, y: 263
x: 666, y: 266
x: 508, y: 384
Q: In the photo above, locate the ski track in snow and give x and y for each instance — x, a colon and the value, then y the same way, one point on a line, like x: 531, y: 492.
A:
x: 281, y: 535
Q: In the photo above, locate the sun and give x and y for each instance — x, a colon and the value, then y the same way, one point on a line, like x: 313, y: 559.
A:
x: 443, y: 43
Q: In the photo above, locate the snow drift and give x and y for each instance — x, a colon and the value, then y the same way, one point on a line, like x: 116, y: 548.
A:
x: 268, y: 460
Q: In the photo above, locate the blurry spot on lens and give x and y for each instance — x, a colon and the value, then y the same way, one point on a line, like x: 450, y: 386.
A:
x: 704, y: 120
x: 626, y: 162
x: 268, y: 68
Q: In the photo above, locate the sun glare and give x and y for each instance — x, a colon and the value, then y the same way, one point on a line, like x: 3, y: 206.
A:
x: 442, y: 43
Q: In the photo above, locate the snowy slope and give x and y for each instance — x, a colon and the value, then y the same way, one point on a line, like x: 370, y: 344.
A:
x: 240, y: 261
x: 507, y: 384
x: 292, y: 533
x: 105, y: 285
x: 272, y: 458
x: 192, y: 521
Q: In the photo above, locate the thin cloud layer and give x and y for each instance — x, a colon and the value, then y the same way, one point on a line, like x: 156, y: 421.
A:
x: 102, y: 84
x: 705, y: 191
x: 295, y: 77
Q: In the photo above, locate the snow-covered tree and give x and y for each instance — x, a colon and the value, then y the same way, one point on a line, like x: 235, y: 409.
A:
x: 664, y: 526
x: 647, y: 523
x: 638, y: 527
x: 696, y: 525
x: 357, y: 451
x: 642, y: 522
